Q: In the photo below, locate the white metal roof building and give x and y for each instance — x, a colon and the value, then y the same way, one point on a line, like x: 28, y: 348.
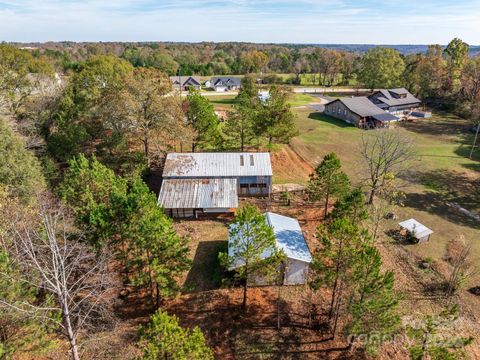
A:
x: 200, y: 165
x: 416, y: 229
x: 289, y: 238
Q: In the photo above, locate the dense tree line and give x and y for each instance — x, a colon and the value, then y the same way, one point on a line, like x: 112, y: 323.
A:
x: 65, y: 217
x: 73, y: 200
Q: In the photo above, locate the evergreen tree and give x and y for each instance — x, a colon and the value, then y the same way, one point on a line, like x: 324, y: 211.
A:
x: 251, y: 238
x: 436, y: 337
x: 20, y: 171
x: 373, y: 302
x: 248, y: 94
x: 328, y: 180
x: 164, y: 338
x: 334, y: 263
x: 351, y: 206
x: 76, y: 126
x: 203, y: 120
x: 457, y: 55
x: 125, y: 215
x: 276, y: 120
x: 88, y: 188
x: 239, y: 126
x: 20, y: 332
x: 157, y: 255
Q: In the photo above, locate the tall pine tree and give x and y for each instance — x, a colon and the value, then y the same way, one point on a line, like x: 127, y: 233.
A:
x: 328, y: 180
x: 251, y: 238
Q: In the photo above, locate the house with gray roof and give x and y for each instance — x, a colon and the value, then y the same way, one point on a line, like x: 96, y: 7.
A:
x: 359, y: 111
x: 289, y: 239
x: 183, y: 83
x: 200, y: 183
x: 396, y: 101
x: 225, y: 83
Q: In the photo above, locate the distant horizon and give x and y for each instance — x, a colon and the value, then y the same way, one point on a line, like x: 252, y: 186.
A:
x: 225, y: 41
x: 300, y: 22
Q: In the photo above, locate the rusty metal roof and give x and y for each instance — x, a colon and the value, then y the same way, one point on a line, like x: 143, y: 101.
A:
x: 198, y: 193
x: 192, y: 165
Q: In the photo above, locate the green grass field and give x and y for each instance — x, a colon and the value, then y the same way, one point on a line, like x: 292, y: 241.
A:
x: 442, y: 175
x: 226, y: 101
x: 222, y: 101
x: 299, y: 99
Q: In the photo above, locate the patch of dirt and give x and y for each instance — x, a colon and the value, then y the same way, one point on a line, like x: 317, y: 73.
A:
x: 253, y: 334
x: 288, y: 166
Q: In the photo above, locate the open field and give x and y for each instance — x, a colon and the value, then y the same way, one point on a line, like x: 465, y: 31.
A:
x: 442, y: 175
x: 299, y: 99
x: 222, y: 102
x: 226, y: 101
x: 233, y: 334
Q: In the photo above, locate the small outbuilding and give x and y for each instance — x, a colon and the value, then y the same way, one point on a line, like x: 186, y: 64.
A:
x: 415, y: 229
x: 290, y: 239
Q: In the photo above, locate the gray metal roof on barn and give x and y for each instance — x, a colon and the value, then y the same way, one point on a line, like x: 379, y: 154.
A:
x: 389, y: 99
x: 198, y: 194
x: 360, y: 105
x: 206, y: 165
x: 385, y: 117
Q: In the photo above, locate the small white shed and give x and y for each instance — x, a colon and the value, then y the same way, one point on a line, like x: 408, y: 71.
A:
x: 290, y: 239
x: 416, y: 229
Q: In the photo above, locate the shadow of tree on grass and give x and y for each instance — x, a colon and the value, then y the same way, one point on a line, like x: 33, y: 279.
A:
x: 205, y: 273
x: 328, y: 119
x: 446, y: 191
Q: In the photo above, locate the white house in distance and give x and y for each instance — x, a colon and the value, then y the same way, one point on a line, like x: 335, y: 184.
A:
x: 224, y: 83
x: 290, y: 239
x: 183, y: 83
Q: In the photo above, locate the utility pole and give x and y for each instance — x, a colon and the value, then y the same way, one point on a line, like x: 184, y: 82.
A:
x: 477, y: 130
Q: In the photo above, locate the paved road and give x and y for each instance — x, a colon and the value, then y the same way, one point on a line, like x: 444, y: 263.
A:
x: 306, y: 90
x: 321, y: 90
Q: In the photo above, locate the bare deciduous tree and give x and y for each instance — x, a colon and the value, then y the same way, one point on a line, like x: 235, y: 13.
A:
x: 385, y: 152
x: 459, y: 257
x: 54, y: 261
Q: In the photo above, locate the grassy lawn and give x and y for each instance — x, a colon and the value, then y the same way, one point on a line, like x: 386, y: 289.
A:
x: 312, y: 79
x: 442, y: 175
x: 222, y: 101
x: 299, y: 99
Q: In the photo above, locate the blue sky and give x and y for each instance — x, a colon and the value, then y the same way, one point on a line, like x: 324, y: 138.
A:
x: 301, y: 21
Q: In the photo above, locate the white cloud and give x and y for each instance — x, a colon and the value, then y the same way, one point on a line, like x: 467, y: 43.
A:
x: 302, y: 21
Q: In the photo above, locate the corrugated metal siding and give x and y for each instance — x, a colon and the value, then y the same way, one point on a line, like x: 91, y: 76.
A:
x: 198, y: 193
x: 183, y: 165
